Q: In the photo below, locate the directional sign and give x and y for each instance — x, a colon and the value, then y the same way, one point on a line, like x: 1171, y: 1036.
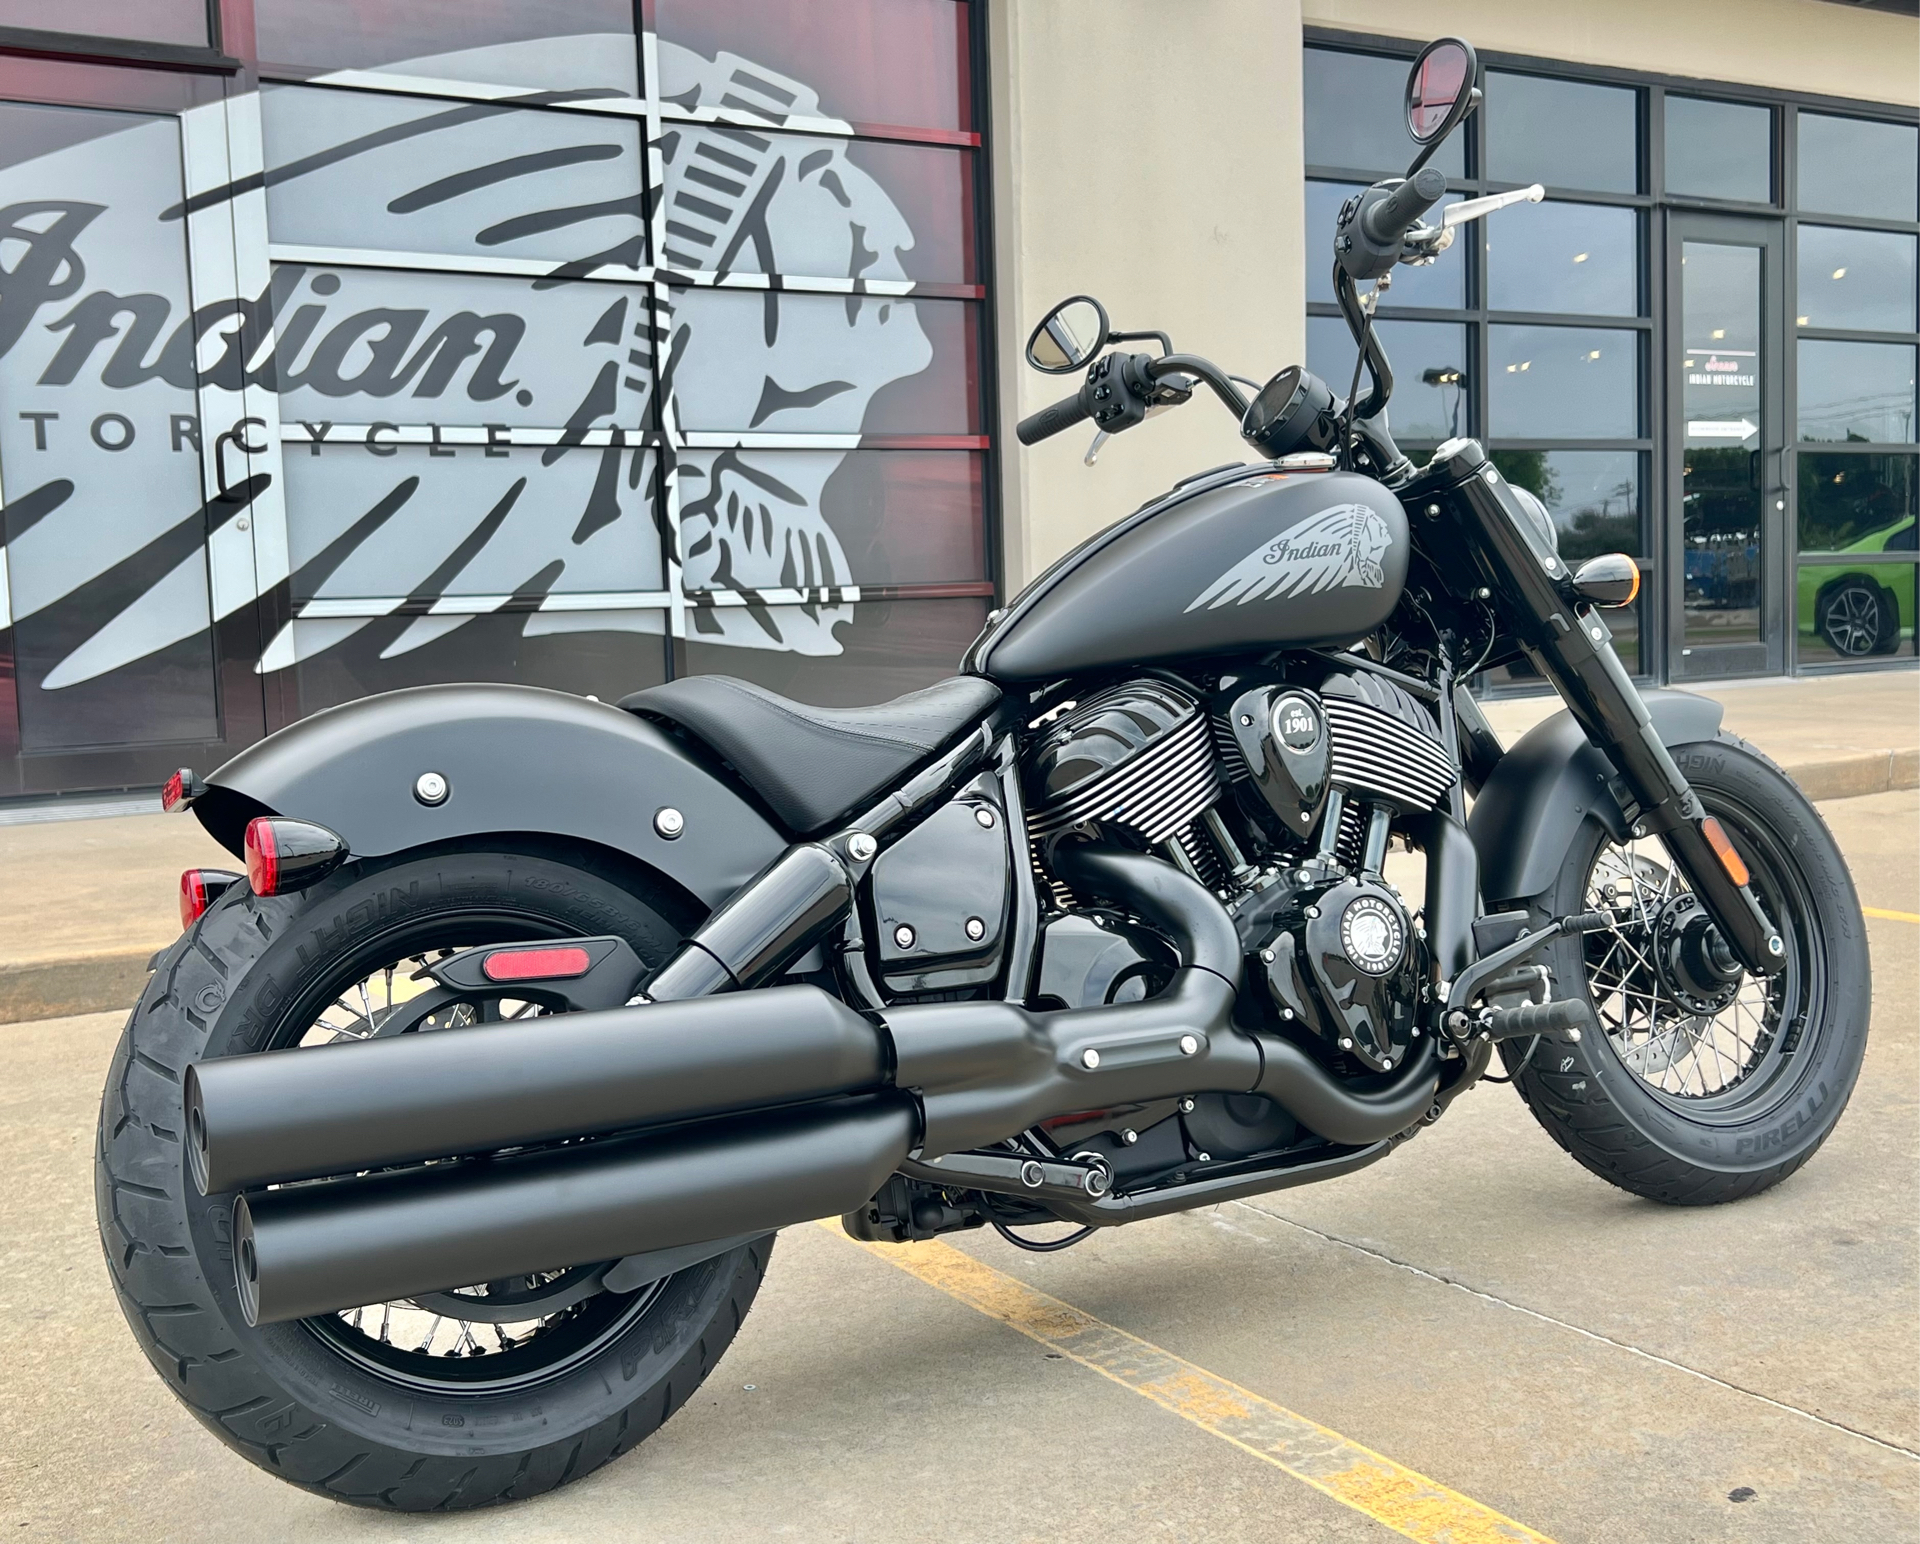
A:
x: 1721, y: 429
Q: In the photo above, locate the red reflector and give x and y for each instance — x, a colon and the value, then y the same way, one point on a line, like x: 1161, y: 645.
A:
x: 263, y: 856
x: 193, y: 897
x: 535, y: 964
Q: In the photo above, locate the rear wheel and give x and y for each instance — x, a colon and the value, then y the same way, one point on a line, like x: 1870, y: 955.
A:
x: 1705, y: 1083
x: 488, y: 1392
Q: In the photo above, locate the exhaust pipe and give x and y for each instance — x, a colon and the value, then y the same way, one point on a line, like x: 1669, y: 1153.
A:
x: 314, y: 1249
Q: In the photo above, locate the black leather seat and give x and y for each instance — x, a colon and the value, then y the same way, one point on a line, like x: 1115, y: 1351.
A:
x: 814, y: 766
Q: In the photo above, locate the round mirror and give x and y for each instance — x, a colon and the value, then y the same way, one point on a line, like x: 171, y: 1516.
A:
x: 1439, y: 89
x: 1068, y: 336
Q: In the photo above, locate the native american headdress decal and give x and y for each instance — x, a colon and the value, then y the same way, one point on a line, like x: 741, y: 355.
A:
x: 1339, y: 546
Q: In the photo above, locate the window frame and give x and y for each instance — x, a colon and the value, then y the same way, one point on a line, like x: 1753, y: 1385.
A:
x: 89, y: 47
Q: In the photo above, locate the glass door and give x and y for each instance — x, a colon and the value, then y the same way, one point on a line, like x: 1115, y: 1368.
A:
x: 1726, y: 492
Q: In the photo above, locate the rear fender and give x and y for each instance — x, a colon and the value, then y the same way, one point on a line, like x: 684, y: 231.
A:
x: 516, y: 759
x: 1554, y: 778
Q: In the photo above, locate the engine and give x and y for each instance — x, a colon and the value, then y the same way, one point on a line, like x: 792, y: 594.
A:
x: 1280, y: 797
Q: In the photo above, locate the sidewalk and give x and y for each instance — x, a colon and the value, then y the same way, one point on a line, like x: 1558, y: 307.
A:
x: 84, y: 903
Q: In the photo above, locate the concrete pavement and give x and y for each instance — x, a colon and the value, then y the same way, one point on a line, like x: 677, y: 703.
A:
x: 117, y: 878
x: 1477, y: 1308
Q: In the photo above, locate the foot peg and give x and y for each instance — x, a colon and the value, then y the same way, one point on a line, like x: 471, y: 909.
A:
x: 1568, y: 1018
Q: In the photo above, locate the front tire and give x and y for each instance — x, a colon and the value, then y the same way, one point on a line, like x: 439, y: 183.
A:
x: 348, y: 1406
x: 1691, y: 1096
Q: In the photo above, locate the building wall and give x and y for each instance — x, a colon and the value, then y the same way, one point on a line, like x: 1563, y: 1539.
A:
x: 1793, y: 45
x: 1150, y: 155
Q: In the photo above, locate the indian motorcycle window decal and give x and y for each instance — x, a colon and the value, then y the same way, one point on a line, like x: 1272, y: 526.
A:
x: 445, y: 368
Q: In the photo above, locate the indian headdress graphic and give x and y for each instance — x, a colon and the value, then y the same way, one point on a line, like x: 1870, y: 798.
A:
x: 1339, y: 546
x: 400, y: 389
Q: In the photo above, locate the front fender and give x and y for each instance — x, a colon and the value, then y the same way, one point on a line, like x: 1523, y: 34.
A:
x: 517, y: 759
x: 1532, y: 805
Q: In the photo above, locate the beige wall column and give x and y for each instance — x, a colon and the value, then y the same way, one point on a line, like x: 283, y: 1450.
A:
x: 1146, y: 152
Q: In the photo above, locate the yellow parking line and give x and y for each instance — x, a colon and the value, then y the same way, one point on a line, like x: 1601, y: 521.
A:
x: 1389, y: 1493
x: 1892, y: 916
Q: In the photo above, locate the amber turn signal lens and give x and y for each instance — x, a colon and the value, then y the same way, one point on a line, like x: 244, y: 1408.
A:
x: 1612, y: 579
x: 1722, y: 846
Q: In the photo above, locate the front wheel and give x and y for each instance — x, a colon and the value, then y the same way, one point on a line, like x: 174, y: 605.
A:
x: 483, y: 1393
x: 1704, y: 1083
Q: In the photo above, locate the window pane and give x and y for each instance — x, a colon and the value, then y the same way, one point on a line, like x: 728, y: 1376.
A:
x: 1421, y: 409
x: 1719, y: 149
x: 816, y: 363
x: 1563, y: 133
x: 1582, y: 258
x: 1593, y: 496
x: 820, y: 208
x: 1356, y: 115
x: 1562, y: 382
x: 788, y: 519
x: 406, y: 520
x: 869, y: 652
x: 873, y: 61
x: 1861, y: 279
x: 1856, y: 391
x: 411, y: 174
x: 558, y: 45
x: 1862, y: 611
x: 1442, y: 286
x: 1857, y: 503
x: 147, y: 21
x: 1851, y: 166
x: 605, y: 653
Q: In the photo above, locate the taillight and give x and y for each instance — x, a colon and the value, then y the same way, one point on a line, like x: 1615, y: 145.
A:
x: 180, y: 790
x: 536, y: 964
x: 284, y: 855
x: 199, y: 889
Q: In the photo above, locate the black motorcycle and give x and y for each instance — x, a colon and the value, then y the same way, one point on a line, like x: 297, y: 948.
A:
x: 441, y: 1158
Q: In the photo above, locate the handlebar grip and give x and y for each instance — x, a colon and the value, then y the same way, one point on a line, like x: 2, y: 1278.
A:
x: 1396, y: 214
x: 1049, y: 421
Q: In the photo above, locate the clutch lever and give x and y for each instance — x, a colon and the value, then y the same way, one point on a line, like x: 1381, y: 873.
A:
x: 1424, y: 243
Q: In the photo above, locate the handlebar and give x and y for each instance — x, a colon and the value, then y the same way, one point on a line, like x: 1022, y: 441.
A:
x: 1396, y: 214
x: 1050, y: 421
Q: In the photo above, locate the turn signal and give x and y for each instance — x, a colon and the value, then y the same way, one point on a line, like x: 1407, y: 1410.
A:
x: 285, y: 855
x: 180, y: 790
x: 199, y: 889
x: 1722, y: 845
x: 1612, y: 579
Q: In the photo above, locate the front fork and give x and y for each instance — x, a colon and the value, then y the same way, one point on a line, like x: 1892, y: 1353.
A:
x: 1572, y: 647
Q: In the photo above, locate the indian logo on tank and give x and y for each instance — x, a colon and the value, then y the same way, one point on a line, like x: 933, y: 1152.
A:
x: 1339, y: 546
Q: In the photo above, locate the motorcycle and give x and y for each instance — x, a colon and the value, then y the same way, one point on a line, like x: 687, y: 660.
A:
x: 442, y: 1156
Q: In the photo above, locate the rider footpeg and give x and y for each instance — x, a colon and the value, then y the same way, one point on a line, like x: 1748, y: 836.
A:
x: 1568, y: 1017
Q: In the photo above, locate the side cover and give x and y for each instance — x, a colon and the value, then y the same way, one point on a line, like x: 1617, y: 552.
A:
x: 1553, y: 778
x: 515, y: 759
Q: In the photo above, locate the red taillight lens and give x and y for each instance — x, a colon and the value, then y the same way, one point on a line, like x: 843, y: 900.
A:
x: 193, y: 897
x: 535, y: 964
x: 180, y: 790
x: 263, y: 857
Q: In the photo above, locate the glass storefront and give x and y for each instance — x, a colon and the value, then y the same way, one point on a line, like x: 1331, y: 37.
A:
x: 1700, y: 350
x: 578, y: 345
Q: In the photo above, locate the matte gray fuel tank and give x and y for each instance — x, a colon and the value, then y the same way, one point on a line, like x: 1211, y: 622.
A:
x: 1252, y: 558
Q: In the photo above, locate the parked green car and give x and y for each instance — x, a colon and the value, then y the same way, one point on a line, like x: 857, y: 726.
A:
x: 1853, y: 608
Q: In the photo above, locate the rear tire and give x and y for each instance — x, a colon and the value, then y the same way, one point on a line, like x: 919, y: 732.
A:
x: 295, y: 1398
x: 1693, y: 1108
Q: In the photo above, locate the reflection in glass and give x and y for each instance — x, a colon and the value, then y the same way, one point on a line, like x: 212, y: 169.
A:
x: 1441, y: 285
x: 1593, y: 496
x: 1719, y: 149
x: 1579, y: 258
x: 1852, y: 503
x: 1562, y: 383
x: 1721, y: 526
x: 886, y: 648
x: 147, y: 21
x: 1856, y: 391
x: 1854, y: 166
x: 1356, y: 115
x: 1564, y: 133
x: 1854, y: 611
x: 1855, y: 279
x: 1430, y: 362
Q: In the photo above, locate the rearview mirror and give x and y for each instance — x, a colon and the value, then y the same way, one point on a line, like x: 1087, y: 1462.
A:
x: 1068, y: 336
x: 1440, y: 89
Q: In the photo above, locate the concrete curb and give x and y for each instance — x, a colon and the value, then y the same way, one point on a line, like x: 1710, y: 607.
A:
x: 110, y: 982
